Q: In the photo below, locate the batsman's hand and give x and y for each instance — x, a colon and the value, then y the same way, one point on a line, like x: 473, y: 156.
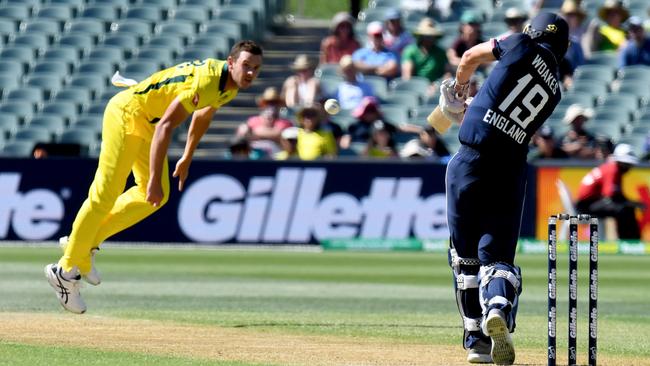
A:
x: 451, y: 99
x: 181, y: 171
x: 154, y: 192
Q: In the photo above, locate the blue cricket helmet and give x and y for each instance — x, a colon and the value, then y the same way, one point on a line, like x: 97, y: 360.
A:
x: 552, y: 30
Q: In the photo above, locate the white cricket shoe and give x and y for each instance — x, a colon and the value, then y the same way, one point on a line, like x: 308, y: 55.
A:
x: 479, y: 353
x: 67, y: 291
x: 91, y: 277
x: 496, y: 327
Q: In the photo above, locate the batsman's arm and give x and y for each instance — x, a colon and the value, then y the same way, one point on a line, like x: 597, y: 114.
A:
x: 472, y: 59
x: 174, y: 115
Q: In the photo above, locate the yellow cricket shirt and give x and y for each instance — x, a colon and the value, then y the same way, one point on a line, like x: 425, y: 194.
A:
x: 315, y: 144
x: 197, y: 84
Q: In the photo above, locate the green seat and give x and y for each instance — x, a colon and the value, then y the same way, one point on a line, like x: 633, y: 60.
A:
x: 194, y: 14
x: 8, y: 83
x: 242, y: 15
x: 196, y: 53
x: 49, y: 83
x: 79, y: 135
x: 165, y: 4
x: 635, y: 72
x: 595, y: 88
x: 379, y: 85
x: 183, y: 29
x: 140, y: 67
x: 141, y: 29
x: 584, y: 99
x: 327, y: 70
x: 75, y: 4
x: 96, y: 66
x: 51, y: 67
x: 11, y: 67
x: 81, y: 41
x: 394, y: 114
x: 86, y: 26
x: 161, y: 56
x: 94, y: 83
x: 34, y: 134
x: 18, y: 149
x: 58, y: 12
x: 628, y: 101
x: 80, y: 97
x: 408, y: 99
x: 25, y: 55
x: 147, y: 13
x: 605, y: 127
x: 8, y: 124
x: 15, y: 12
x: 220, y: 46
x: 600, y: 72
x: 416, y: 84
x: 55, y: 124
x: 48, y: 27
x: 606, y: 58
x: 127, y: 43
x: 69, y: 55
x: 30, y: 94
x: 91, y: 123
x: 21, y: 109
x: 169, y: 41
x: 104, y: 14
x: 110, y: 54
x: 66, y: 109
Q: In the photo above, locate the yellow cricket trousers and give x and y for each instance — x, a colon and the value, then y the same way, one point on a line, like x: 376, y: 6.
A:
x: 109, y: 209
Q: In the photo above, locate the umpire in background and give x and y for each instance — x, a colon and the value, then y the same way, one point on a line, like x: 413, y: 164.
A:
x: 486, y: 179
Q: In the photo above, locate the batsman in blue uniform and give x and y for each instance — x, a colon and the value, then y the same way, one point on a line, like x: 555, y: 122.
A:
x: 486, y: 179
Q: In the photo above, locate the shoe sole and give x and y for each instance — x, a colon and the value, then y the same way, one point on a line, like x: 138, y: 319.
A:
x: 53, y: 280
x: 503, y: 351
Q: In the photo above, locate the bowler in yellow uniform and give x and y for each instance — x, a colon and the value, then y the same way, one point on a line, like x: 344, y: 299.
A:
x: 137, y: 128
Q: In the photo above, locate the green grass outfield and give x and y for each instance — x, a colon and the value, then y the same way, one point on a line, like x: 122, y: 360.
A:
x: 396, y: 298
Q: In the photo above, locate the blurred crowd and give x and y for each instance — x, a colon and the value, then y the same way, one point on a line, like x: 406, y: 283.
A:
x: 292, y: 124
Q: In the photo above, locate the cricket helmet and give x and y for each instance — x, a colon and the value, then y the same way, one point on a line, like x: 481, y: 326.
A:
x: 551, y: 30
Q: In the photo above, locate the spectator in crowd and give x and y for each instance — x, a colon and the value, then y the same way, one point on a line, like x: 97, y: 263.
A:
x: 469, y: 36
x: 264, y: 129
x: 314, y: 141
x: 610, y: 35
x: 396, y: 37
x: 302, y: 88
x: 547, y: 146
x: 413, y: 150
x: 351, y: 90
x: 428, y: 145
x: 536, y: 6
x: 601, y: 192
x: 578, y: 142
x: 240, y: 148
x: 637, y: 49
x: 366, y: 114
x: 289, y: 143
x: 375, y: 58
x: 425, y: 58
x: 381, y: 143
x: 40, y: 151
x: 341, y: 41
x: 515, y: 20
x: 575, y: 16
x: 604, y: 147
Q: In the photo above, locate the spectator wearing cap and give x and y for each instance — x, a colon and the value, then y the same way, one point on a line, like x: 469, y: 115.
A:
x: 239, y: 148
x: 341, y: 41
x: 578, y: 142
x: 425, y: 58
x: 375, y: 58
x: 314, y: 141
x: 352, y: 89
x: 289, y: 143
x: 601, y: 192
x: 264, y: 129
x: 428, y: 146
x: 302, y: 88
x: 575, y: 56
x: 637, y: 49
x: 610, y: 35
x: 469, y: 36
x: 546, y: 145
x: 366, y: 114
x: 515, y: 20
x: 381, y: 143
x: 396, y: 38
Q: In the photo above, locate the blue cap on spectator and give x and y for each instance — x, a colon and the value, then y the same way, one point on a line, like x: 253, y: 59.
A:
x: 469, y: 17
x: 392, y: 13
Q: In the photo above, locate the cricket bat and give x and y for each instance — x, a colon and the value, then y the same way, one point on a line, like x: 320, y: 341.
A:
x: 438, y: 120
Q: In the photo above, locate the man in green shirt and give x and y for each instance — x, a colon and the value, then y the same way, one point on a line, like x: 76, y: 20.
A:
x: 425, y: 58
